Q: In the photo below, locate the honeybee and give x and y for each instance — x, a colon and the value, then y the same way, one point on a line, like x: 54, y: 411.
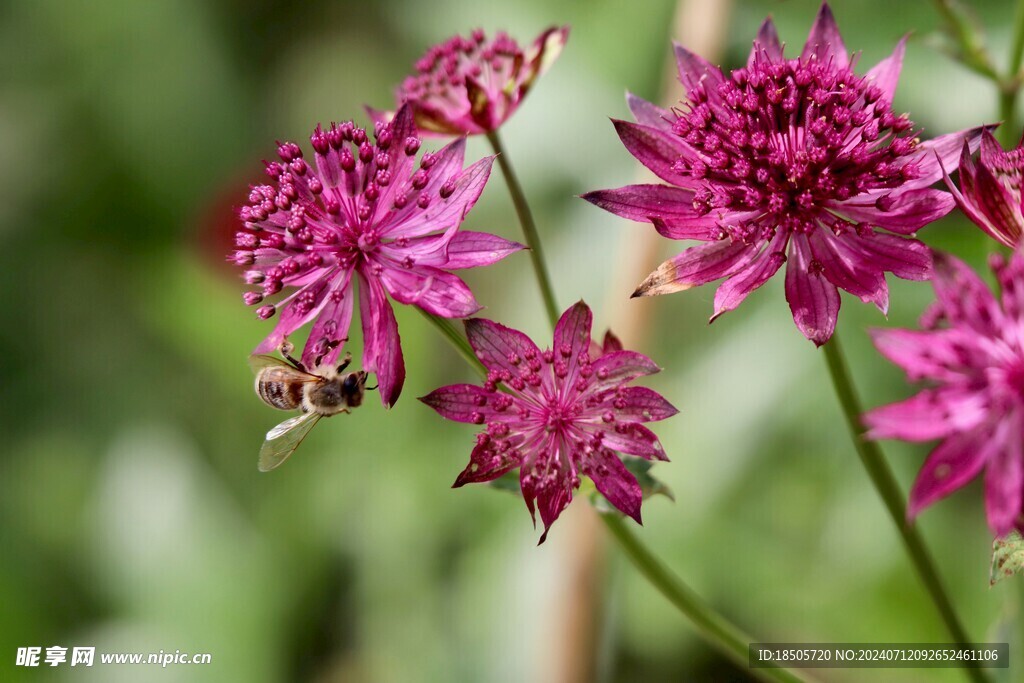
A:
x: 288, y: 385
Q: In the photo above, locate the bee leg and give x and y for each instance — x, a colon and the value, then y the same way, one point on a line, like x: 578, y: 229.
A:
x: 345, y: 362
x: 330, y: 346
x: 286, y: 349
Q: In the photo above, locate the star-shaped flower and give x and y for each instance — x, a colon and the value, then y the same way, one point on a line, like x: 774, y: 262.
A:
x: 787, y: 160
x: 558, y: 414
x: 363, y: 211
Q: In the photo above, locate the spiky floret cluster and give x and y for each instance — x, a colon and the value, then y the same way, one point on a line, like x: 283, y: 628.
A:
x: 468, y: 86
x: 363, y: 210
x: 557, y: 414
x: 972, y: 353
x: 799, y: 160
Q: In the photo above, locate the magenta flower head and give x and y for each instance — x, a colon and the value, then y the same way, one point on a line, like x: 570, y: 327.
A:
x: 468, y: 86
x: 975, y: 405
x: 363, y: 211
x: 799, y: 160
x: 559, y: 414
x: 990, y: 190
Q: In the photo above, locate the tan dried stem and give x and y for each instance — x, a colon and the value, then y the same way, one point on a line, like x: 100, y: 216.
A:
x: 701, y: 26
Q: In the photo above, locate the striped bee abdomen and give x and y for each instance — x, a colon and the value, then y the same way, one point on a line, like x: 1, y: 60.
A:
x: 278, y: 388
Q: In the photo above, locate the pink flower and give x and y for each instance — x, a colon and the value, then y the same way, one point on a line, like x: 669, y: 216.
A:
x: 976, y: 402
x: 564, y: 413
x: 363, y: 212
x: 468, y: 86
x: 786, y: 159
x: 991, y: 190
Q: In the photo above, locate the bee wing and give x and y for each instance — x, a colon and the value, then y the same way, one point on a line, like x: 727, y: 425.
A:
x: 261, y: 362
x: 283, y: 439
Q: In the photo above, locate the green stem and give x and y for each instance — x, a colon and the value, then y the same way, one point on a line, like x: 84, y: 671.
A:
x: 714, y: 628
x: 529, y: 227
x: 1017, y: 47
x: 888, y: 488
x: 972, y: 48
x: 1010, y: 85
x: 461, y: 344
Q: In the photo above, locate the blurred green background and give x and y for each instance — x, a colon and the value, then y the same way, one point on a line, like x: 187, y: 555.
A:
x: 132, y: 516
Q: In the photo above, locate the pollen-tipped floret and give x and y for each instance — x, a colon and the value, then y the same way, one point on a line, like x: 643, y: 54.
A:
x: 797, y: 161
x: 557, y: 414
x: 468, y: 86
x: 362, y: 209
x: 971, y: 351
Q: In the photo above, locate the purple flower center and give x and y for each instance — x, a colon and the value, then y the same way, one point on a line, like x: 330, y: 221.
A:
x: 443, y: 70
x: 1015, y: 378
x: 785, y: 139
x: 334, y: 213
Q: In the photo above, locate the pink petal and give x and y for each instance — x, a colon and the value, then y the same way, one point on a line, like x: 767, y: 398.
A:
x: 824, y: 41
x: 616, y: 483
x: 705, y: 228
x: 945, y: 148
x: 904, y: 212
x: 400, y: 164
x: 965, y: 298
x: 472, y: 249
x: 952, y: 464
x: 656, y: 149
x: 997, y: 202
x: 445, y: 212
x: 552, y: 499
x: 813, y: 300
x: 643, y: 202
x: 766, y: 44
x: 332, y: 324
x: 886, y: 74
x: 933, y: 354
x: 382, y: 346
x: 847, y: 269
x: 695, y: 71
x: 903, y: 257
x: 485, y: 464
x: 467, y: 403
x: 643, y: 404
x: 634, y: 439
x: 618, y: 367
x: 1004, y: 477
x: 968, y: 201
x: 697, y: 266
x: 649, y: 114
x: 543, y: 53
x: 499, y: 347
x: 302, y: 306
x: 990, y: 151
x: 572, y: 338
x: 930, y: 414
x: 610, y: 343
x: 432, y: 289
x: 762, y: 267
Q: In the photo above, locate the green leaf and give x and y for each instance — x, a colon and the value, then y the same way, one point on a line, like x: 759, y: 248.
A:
x: 508, y: 482
x: 1007, y: 557
x: 641, y: 469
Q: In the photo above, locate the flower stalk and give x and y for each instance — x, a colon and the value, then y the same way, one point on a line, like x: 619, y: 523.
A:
x: 457, y: 339
x: 888, y: 488
x: 1010, y: 85
x: 714, y: 628
x: 529, y: 227
x: 711, y: 626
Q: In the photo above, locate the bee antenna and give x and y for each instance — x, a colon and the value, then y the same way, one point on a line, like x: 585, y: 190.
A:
x: 372, y: 388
